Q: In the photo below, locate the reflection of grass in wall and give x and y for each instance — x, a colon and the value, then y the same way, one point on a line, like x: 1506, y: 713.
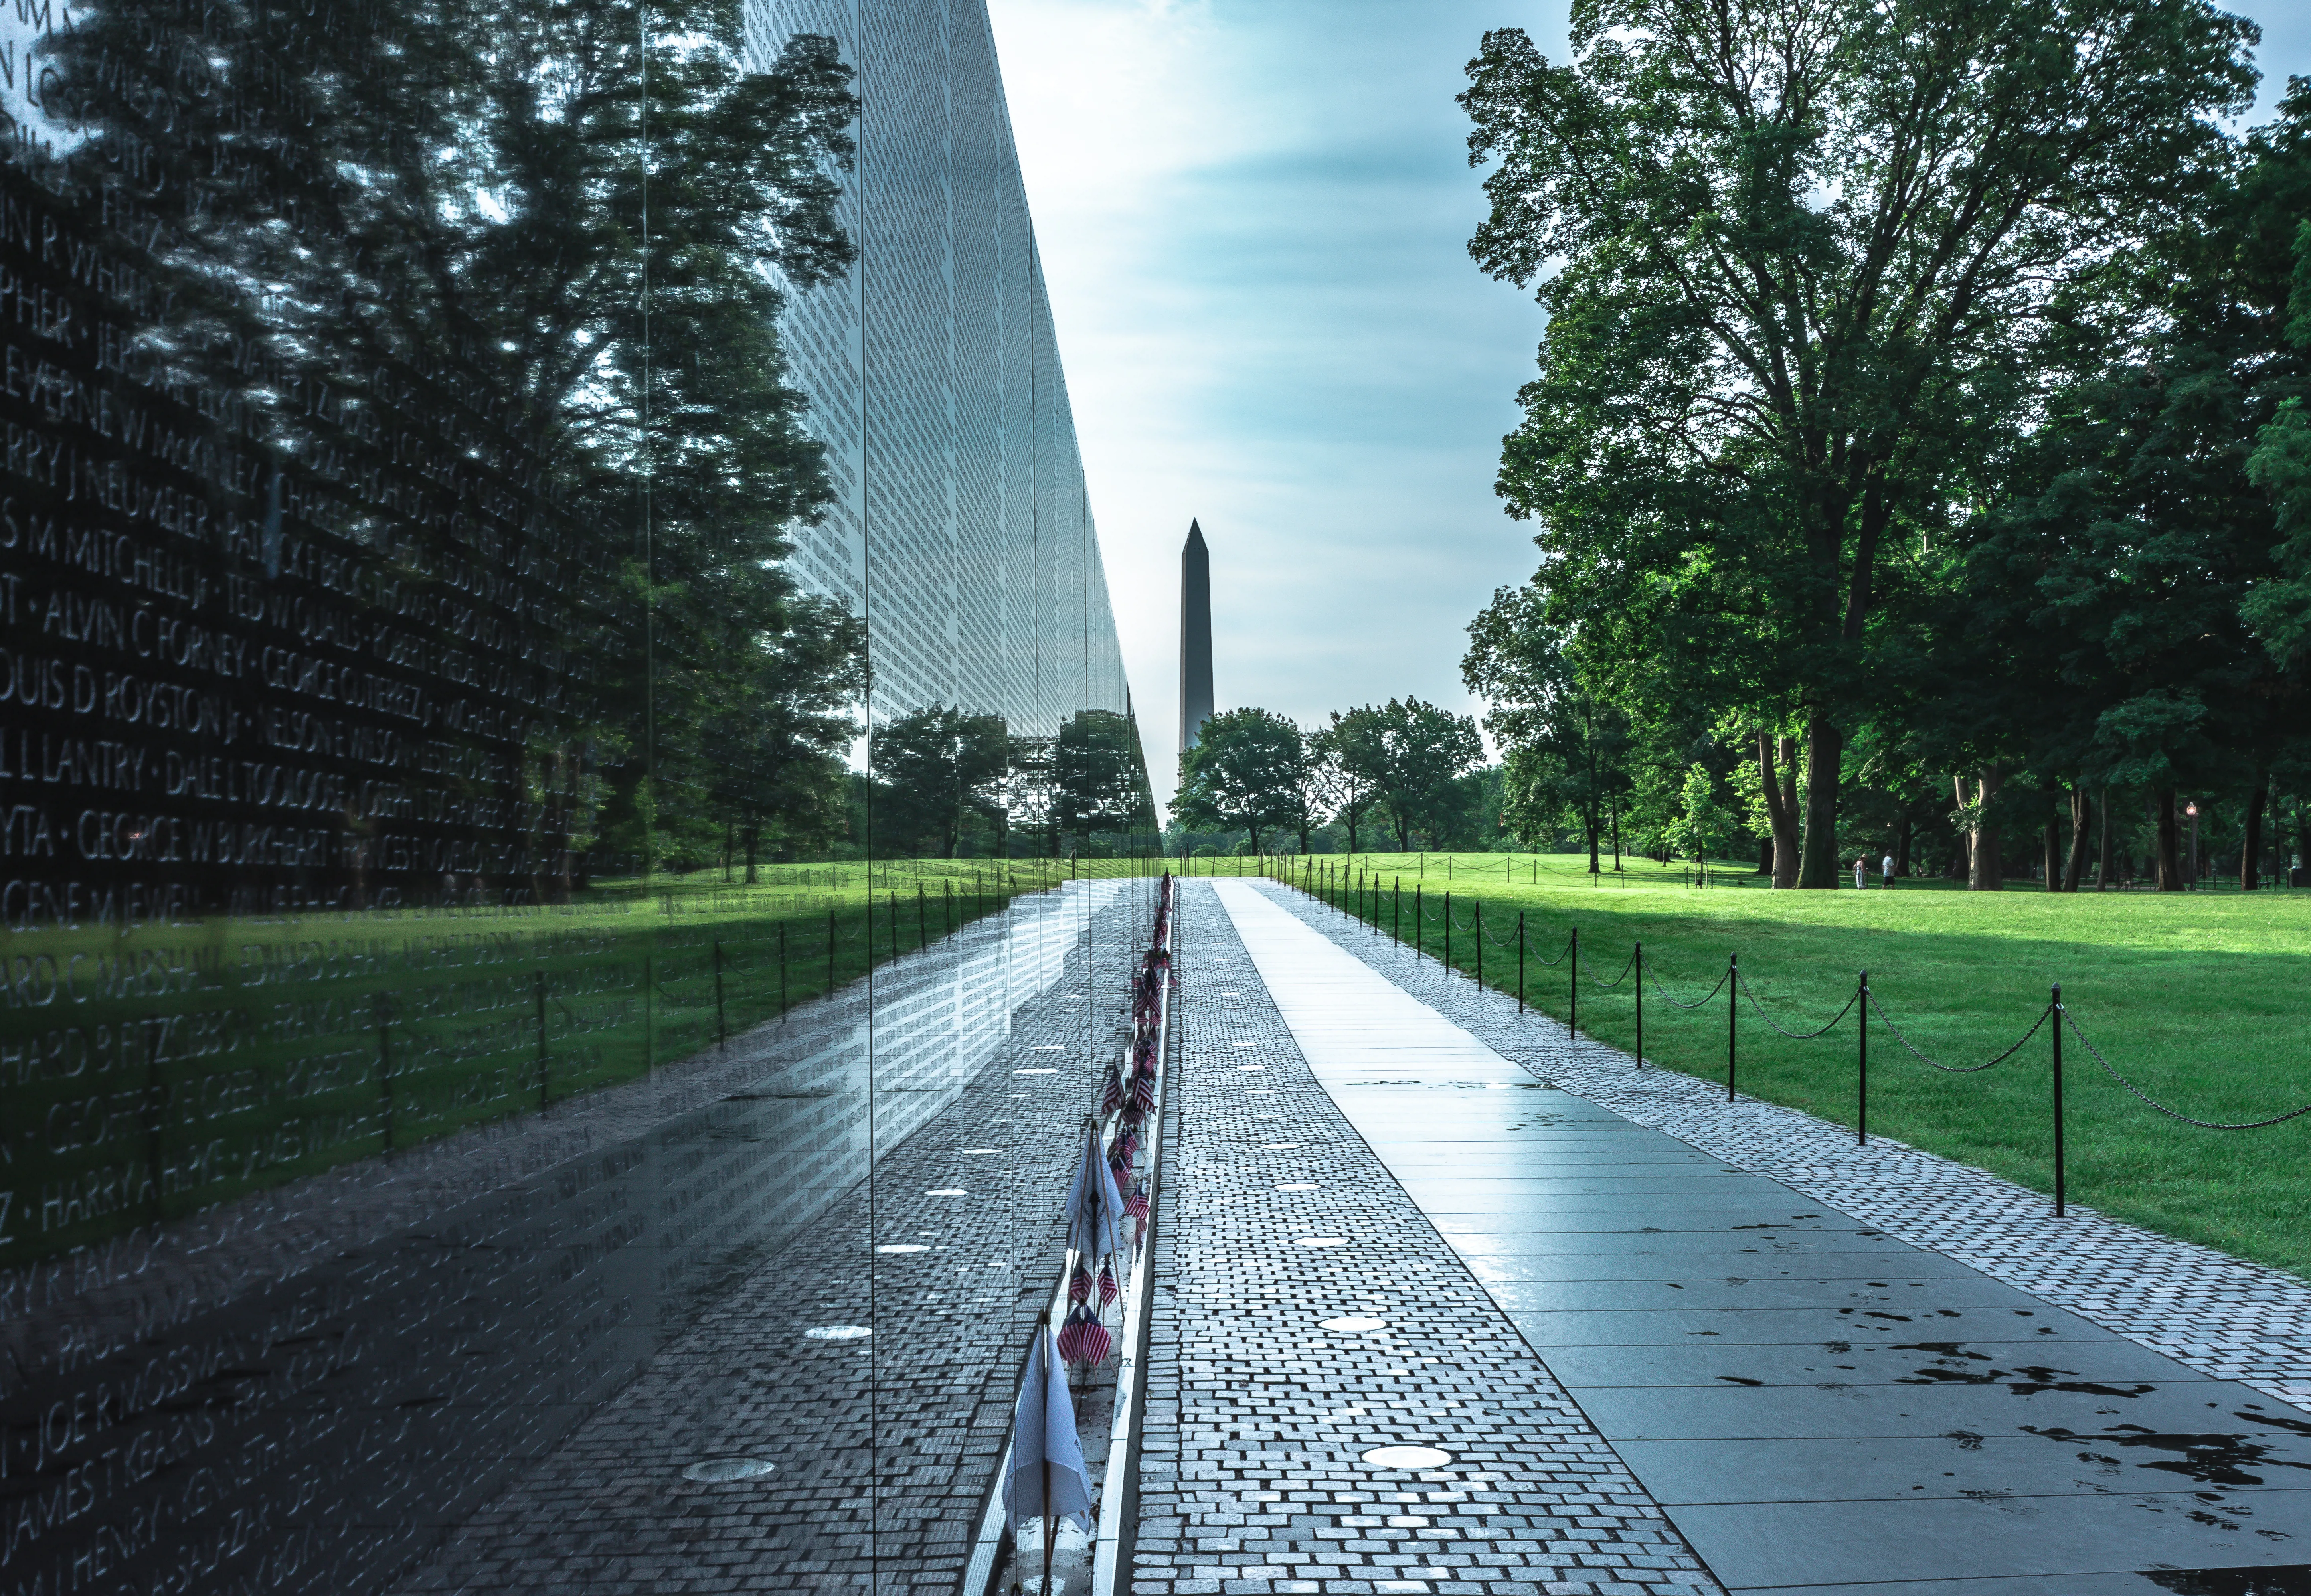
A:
x: 2203, y: 999
x: 203, y: 1062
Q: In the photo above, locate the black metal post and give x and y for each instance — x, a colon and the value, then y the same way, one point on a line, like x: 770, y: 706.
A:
x: 1573, y: 987
x: 650, y: 1020
x: 1732, y: 991
x: 1862, y: 1070
x: 922, y: 918
x: 2061, y: 1204
x: 1637, y: 970
x: 722, y: 1031
x: 782, y: 971
x: 542, y: 1061
x: 894, y: 925
x: 384, y: 1063
x: 1396, y: 913
x: 1419, y: 921
x: 1448, y: 930
x: 1520, y: 960
x: 1480, y: 917
x: 830, y: 952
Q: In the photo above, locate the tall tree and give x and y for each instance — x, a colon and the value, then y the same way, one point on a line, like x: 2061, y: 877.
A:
x: 1344, y: 761
x: 1419, y: 751
x: 1800, y: 259
x: 1567, y: 745
x: 1247, y: 769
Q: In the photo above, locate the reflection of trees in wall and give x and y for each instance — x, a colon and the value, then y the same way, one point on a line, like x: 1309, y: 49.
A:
x: 392, y: 310
x: 1099, y: 779
x: 935, y: 771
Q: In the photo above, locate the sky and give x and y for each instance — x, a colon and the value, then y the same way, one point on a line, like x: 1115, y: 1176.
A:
x: 1253, y: 217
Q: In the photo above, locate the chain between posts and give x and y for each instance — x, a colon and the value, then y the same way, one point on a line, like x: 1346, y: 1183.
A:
x: 2151, y: 1101
x: 1797, y: 1035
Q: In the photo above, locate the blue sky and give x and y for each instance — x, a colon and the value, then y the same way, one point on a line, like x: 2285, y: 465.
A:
x: 1254, y: 217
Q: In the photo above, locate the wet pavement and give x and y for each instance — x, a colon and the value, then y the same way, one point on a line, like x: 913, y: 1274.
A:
x: 1815, y: 1405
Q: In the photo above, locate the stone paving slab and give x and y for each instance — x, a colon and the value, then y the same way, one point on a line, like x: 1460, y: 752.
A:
x: 1957, y: 1469
x: 1252, y: 1478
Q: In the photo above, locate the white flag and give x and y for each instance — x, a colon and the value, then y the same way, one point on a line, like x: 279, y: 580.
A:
x: 1043, y: 1431
x: 1095, y: 1206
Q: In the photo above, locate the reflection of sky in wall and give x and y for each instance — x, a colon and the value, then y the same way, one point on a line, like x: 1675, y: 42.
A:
x: 1253, y: 215
x: 27, y: 76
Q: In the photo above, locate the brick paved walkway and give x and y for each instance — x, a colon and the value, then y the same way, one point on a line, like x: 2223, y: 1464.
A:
x: 1769, y: 1401
x: 1251, y: 1479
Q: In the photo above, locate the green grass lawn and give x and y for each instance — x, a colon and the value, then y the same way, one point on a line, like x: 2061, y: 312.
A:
x: 2203, y: 1001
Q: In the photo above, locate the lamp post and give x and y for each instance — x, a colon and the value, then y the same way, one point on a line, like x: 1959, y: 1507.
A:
x: 2192, y: 809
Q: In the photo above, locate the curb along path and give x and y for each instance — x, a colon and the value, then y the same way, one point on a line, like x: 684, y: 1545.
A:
x: 1250, y: 1476
x: 1941, y: 1425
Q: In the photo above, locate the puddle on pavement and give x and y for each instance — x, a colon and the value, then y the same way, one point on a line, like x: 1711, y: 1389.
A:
x: 2294, y: 1580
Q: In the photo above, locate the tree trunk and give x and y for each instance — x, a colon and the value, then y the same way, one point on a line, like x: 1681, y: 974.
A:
x: 2170, y: 856
x: 2081, y: 815
x: 1781, y: 806
x: 1766, y: 855
x: 2053, y: 864
x: 1902, y: 844
x: 1988, y: 872
x: 2102, y: 867
x: 2250, y: 850
x: 1593, y: 835
x: 1962, y: 863
x: 1818, y: 858
x: 753, y: 835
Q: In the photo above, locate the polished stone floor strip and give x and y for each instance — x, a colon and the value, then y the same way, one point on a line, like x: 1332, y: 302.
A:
x: 1816, y: 1404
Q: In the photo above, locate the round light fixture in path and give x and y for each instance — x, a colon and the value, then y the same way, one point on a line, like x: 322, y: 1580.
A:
x: 1408, y: 1457
x: 1320, y: 1241
x: 903, y: 1247
x: 1354, y: 1322
x: 1279, y: 1147
x: 1034, y: 1072
x: 838, y: 1332
x: 946, y: 1191
x: 980, y: 1149
x: 715, y: 1470
x: 1300, y: 1186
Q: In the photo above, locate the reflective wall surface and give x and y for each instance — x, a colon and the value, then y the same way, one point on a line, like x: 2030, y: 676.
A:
x: 557, y: 673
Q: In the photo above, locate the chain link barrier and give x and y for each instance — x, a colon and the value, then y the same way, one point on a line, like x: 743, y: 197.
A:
x: 1661, y: 993
x: 1607, y: 986
x: 1888, y: 1020
x: 2175, y: 1113
x: 1777, y: 1024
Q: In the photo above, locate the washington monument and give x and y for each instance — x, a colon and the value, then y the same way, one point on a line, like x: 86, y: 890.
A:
x: 1195, y: 637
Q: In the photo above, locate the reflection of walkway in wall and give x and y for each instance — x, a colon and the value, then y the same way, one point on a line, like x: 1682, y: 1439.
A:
x: 441, y: 1319
x: 1815, y: 1403
x: 882, y: 1447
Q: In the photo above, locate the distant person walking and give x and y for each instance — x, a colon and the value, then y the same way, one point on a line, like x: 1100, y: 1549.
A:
x: 1886, y: 871
x: 1861, y: 873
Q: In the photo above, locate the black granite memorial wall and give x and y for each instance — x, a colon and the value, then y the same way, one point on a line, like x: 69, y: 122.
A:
x: 509, y: 538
